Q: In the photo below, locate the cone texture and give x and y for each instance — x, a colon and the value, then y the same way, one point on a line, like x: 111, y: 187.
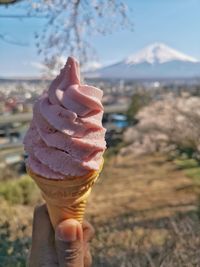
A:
x: 66, y: 199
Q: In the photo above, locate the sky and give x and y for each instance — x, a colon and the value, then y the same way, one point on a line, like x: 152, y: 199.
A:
x: 173, y: 22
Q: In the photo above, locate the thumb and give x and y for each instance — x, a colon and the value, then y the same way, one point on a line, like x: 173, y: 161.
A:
x: 69, y: 244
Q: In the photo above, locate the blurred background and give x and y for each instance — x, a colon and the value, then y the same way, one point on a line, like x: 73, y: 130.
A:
x: 145, y: 56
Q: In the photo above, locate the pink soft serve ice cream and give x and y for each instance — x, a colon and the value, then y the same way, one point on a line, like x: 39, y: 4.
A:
x: 66, y: 137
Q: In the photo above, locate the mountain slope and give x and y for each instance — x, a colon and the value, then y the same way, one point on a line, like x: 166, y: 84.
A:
x: 156, y: 61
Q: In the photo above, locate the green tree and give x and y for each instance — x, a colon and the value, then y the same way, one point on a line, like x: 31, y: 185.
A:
x: 138, y: 101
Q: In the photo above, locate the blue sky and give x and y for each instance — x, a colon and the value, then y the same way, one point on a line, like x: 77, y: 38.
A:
x: 174, y: 22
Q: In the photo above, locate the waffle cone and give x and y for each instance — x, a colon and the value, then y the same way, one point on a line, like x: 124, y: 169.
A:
x: 66, y: 199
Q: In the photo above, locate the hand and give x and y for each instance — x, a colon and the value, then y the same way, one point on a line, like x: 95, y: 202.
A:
x: 68, y: 246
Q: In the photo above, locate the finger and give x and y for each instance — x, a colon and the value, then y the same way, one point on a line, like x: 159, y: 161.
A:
x: 87, y: 256
x: 41, y: 226
x: 43, y: 250
x: 88, y: 231
x: 69, y: 244
x: 88, y: 234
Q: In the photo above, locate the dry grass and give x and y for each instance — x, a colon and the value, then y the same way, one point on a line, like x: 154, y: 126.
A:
x: 144, y: 211
x: 147, y: 187
x: 162, y: 242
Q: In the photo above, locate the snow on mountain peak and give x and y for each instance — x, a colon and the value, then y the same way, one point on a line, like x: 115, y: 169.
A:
x: 158, y: 53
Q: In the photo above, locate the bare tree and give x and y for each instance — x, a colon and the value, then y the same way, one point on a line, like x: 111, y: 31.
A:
x: 70, y: 24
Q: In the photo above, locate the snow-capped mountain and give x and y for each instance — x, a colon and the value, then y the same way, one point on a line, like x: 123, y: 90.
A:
x: 158, y: 53
x: 156, y: 61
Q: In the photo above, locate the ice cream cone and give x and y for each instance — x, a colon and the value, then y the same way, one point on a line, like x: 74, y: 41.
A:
x: 65, y: 140
x: 66, y: 199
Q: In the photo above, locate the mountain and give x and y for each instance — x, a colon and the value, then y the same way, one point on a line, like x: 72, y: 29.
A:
x: 156, y: 61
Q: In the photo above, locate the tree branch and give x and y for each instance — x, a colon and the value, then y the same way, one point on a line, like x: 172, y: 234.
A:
x: 21, y: 16
x: 8, y: 2
x: 70, y: 24
x: 9, y: 40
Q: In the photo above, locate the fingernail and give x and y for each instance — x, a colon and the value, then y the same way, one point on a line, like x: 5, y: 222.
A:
x: 67, y: 230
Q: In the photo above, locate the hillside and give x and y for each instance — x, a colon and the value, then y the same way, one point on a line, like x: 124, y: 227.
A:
x: 144, y: 211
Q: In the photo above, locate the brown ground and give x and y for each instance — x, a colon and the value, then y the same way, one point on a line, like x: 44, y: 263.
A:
x: 147, y: 187
x: 144, y: 211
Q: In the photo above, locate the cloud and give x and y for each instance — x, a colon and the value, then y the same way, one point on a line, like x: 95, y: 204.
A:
x: 92, y: 65
x: 38, y: 65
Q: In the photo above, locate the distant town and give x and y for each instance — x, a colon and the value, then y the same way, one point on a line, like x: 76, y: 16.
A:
x: 18, y: 95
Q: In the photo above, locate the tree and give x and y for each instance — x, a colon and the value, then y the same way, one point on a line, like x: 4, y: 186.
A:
x: 70, y: 24
x: 138, y: 101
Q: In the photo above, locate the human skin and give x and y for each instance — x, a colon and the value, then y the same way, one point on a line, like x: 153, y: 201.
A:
x: 67, y: 246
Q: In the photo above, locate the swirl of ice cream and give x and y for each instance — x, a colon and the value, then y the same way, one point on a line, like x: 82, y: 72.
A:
x: 66, y: 137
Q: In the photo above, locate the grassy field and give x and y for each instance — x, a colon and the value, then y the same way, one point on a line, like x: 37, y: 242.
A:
x: 144, y: 210
x: 146, y: 214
